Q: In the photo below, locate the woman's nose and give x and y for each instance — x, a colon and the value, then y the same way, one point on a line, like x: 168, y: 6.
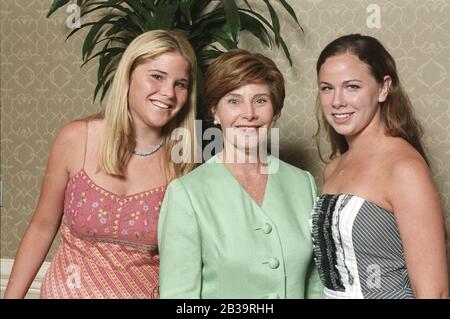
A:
x: 167, y: 89
x: 248, y: 111
x: 338, y: 100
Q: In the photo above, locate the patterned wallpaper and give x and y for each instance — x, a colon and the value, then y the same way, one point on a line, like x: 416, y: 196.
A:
x: 43, y: 87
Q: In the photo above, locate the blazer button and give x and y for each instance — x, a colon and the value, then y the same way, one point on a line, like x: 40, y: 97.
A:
x: 267, y: 228
x: 274, y: 263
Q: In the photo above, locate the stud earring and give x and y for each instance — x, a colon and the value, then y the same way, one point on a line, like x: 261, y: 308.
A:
x: 216, y: 122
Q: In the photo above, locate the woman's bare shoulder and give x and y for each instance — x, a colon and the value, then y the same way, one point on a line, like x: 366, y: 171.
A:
x: 404, y: 158
x: 74, y: 133
x: 71, y: 135
x: 70, y: 142
x: 406, y: 168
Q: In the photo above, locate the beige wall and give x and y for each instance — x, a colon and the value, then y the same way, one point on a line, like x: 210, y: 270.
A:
x: 42, y: 87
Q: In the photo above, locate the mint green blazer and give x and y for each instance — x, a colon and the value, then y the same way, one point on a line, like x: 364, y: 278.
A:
x: 216, y: 242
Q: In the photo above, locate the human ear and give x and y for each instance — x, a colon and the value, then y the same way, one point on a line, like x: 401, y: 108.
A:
x: 214, y: 115
x: 384, y: 88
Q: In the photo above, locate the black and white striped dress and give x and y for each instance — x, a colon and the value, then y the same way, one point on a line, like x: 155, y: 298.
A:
x: 357, y: 249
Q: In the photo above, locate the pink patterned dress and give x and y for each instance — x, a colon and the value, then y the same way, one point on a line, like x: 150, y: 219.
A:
x: 108, y: 245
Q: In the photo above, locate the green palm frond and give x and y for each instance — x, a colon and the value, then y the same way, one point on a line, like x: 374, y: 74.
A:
x: 211, y: 26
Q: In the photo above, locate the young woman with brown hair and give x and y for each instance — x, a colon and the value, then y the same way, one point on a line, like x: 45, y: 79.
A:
x: 377, y: 228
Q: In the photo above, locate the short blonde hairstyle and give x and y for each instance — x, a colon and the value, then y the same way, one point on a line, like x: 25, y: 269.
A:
x: 119, y: 135
x: 236, y: 68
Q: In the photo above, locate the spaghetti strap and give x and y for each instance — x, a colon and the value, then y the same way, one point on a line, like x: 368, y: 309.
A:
x: 85, y: 143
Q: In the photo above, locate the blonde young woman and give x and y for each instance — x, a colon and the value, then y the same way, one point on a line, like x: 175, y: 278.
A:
x: 106, y: 178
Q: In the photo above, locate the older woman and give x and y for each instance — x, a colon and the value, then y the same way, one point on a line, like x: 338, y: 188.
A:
x: 239, y: 229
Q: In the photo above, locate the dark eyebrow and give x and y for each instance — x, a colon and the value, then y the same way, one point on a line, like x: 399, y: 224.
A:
x: 345, y: 82
x: 352, y: 80
x: 233, y: 94
x: 261, y: 94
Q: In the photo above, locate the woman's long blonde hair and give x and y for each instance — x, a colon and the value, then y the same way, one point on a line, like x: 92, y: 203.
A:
x: 119, y: 135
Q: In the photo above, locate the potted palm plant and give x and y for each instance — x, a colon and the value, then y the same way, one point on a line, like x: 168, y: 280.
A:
x: 212, y: 26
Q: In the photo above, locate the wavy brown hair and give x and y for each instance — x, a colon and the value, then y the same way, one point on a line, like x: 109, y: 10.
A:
x: 396, y: 111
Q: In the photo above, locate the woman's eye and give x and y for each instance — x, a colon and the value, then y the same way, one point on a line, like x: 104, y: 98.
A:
x: 181, y: 85
x: 353, y: 87
x: 233, y: 101
x: 261, y: 101
x: 325, y: 88
x: 156, y: 76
